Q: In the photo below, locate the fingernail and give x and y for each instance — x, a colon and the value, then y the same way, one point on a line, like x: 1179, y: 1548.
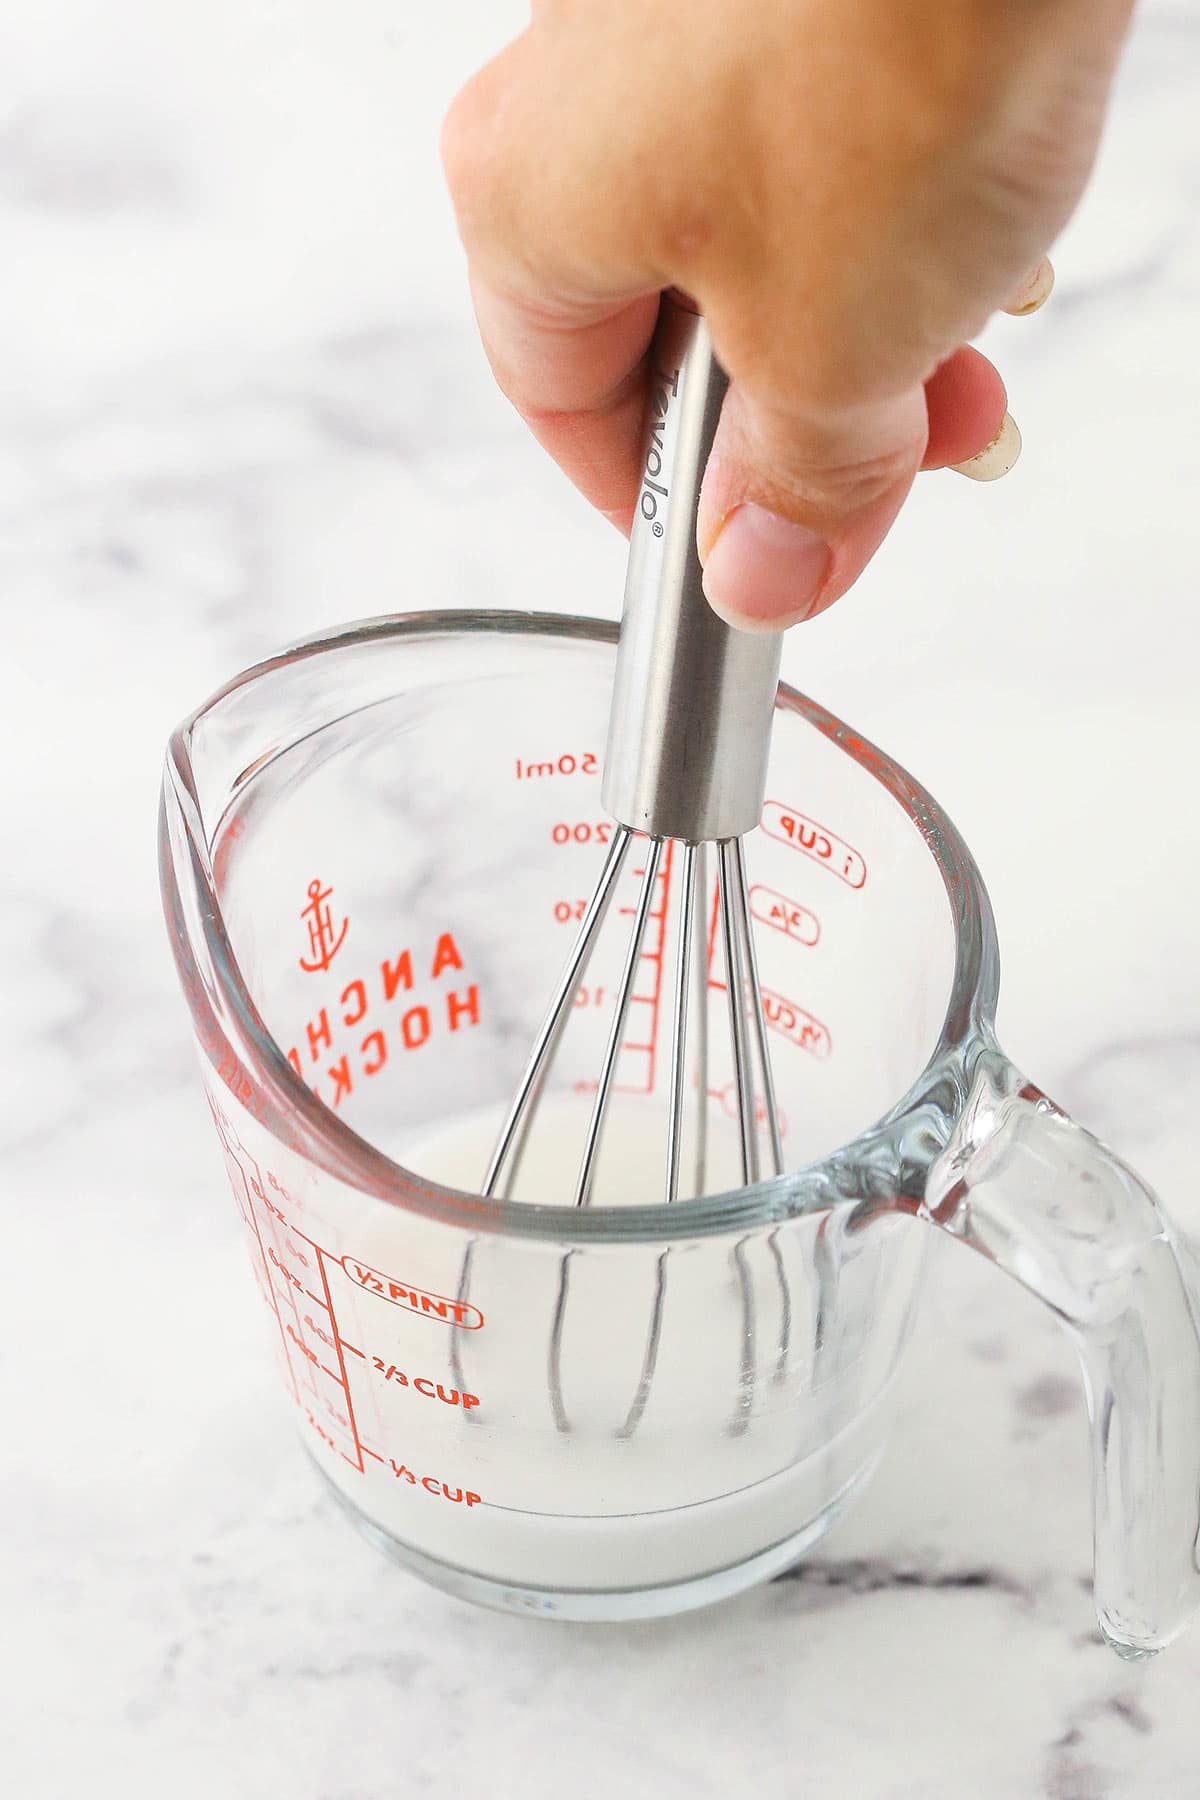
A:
x: 996, y: 458
x: 1034, y: 291
x: 764, y: 572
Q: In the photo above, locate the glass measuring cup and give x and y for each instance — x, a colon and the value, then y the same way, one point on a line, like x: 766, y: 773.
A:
x: 374, y: 848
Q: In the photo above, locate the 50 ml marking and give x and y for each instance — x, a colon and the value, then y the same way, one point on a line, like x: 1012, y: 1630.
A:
x: 586, y: 763
x: 813, y: 840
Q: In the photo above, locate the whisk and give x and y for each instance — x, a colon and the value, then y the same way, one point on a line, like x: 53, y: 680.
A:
x: 689, y: 733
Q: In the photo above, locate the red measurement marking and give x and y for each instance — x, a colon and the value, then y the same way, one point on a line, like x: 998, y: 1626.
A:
x: 235, y: 1077
x: 250, y: 1182
x: 581, y: 831
x: 286, y: 1277
x: 322, y: 1433
x: 782, y: 914
x: 797, y: 1025
x: 249, y: 1187
x: 717, y: 983
x: 585, y: 762
x: 238, y: 1175
x: 653, y: 945
x: 815, y: 841
x: 714, y: 920
x: 645, y: 1002
x: 415, y: 1300
x: 432, y: 1485
x: 301, y: 1346
x: 423, y: 1385
x: 341, y: 1359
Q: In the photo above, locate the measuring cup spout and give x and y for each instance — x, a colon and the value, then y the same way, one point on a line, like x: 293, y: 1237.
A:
x: 1048, y: 1203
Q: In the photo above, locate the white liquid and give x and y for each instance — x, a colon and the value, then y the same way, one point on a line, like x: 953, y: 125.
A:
x: 630, y: 1167
x: 733, y: 1451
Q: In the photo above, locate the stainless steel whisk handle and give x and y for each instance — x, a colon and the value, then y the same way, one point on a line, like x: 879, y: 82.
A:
x: 690, y: 724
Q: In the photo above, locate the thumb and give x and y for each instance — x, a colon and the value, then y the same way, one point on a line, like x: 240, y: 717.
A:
x: 795, y: 504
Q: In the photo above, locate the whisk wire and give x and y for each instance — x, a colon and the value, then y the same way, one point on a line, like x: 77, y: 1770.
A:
x: 520, y: 1113
x: 633, y: 1417
x: 683, y: 976
x: 612, y: 1051
x: 758, y: 1017
x: 735, y: 988
x: 700, y: 1027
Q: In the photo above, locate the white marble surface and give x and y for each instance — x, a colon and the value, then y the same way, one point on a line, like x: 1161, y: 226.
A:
x: 239, y: 400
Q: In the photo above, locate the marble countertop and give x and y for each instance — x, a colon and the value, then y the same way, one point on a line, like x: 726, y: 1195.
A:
x: 242, y: 400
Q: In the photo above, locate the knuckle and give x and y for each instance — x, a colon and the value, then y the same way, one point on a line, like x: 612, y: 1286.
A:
x: 835, y: 464
x: 460, y: 144
x: 476, y: 147
x: 855, y: 485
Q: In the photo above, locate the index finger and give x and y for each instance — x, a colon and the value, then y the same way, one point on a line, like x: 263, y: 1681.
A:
x: 576, y: 374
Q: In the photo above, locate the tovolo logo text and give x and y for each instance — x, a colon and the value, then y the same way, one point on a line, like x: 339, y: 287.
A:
x: 664, y: 387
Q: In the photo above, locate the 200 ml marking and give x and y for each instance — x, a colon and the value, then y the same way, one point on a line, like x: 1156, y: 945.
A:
x: 581, y: 831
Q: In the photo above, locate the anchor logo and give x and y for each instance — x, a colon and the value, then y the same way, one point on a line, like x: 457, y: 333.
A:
x: 322, y: 942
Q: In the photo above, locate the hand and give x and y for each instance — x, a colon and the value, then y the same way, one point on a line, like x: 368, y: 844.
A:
x: 848, y: 188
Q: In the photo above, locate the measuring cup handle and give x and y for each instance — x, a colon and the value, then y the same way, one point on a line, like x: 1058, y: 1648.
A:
x: 1048, y: 1203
